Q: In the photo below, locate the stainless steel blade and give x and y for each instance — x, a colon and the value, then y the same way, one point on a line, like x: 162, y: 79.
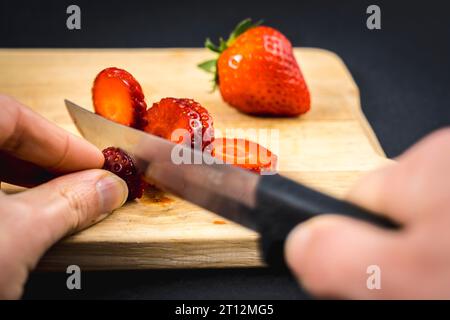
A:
x: 104, y: 133
x: 220, y: 188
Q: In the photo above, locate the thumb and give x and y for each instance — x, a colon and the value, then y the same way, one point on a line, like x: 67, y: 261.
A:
x: 331, y: 255
x: 71, y: 203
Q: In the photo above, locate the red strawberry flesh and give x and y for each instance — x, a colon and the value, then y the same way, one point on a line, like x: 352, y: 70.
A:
x: 121, y: 164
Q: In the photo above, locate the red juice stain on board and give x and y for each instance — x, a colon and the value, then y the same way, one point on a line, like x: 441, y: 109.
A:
x: 153, y: 195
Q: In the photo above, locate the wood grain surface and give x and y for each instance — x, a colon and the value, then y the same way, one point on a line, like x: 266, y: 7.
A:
x: 329, y: 148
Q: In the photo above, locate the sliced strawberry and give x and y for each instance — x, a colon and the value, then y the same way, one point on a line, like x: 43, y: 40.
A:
x: 245, y: 154
x: 118, y: 96
x: 121, y: 164
x: 170, y: 114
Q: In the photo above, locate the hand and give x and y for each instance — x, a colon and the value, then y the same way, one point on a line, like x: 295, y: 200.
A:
x: 330, y: 254
x: 33, y: 150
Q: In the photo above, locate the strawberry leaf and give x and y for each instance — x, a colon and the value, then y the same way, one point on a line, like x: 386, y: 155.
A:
x: 208, y: 66
x: 215, y: 83
x: 242, y: 26
x: 222, y: 45
x: 211, y: 46
x: 211, y: 65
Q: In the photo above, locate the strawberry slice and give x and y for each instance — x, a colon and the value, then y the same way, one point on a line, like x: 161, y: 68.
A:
x: 170, y: 114
x: 246, y: 154
x: 118, y: 96
x: 120, y: 163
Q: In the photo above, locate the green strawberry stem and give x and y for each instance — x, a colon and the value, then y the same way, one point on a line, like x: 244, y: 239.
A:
x: 210, y: 66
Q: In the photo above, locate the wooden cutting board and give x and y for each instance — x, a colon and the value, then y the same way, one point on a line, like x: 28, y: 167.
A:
x: 328, y: 148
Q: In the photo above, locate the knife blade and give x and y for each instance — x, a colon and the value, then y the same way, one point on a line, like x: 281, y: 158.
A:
x: 222, y: 189
x: 269, y: 204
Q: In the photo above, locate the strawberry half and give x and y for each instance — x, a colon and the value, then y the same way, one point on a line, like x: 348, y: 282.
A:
x: 170, y: 114
x: 245, y: 154
x: 257, y: 72
x: 118, y: 96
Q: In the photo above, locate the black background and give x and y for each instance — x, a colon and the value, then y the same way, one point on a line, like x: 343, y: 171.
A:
x: 402, y: 70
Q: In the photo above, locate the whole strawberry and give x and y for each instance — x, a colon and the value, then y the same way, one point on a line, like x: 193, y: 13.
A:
x: 257, y: 73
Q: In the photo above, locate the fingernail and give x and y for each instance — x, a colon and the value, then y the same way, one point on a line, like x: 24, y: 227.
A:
x: 113, y: 192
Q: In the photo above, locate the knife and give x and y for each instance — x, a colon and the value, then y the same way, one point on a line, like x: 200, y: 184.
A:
x: 272, y: 205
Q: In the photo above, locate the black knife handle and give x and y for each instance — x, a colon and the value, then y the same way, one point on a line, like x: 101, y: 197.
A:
x: 283, y: 203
